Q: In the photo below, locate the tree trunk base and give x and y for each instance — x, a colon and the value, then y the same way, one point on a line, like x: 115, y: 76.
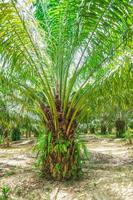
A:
x: 62, y: 161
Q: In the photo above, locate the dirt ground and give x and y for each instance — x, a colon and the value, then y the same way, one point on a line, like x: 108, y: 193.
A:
x: 108, y: 174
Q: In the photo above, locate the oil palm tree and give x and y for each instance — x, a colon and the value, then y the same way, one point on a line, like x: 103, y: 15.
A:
x: 64, y: 56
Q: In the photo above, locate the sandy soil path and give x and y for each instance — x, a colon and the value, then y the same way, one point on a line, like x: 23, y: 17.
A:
x: 108, y: 175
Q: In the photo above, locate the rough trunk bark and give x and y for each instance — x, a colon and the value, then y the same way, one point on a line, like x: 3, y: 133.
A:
x: 103, y: 128
x: 92, y: 130
x: 120, y: 127
x: 61, y: 160
x: 6, y: 142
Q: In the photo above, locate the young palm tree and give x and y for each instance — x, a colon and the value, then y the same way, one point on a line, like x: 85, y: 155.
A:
x: 65, y: 59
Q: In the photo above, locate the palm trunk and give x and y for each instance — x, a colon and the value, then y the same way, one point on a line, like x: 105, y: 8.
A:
x: 103, y: 128
x: 120, y: 127
x: 92, y: 129
x: 61, y: 163
x: 61, y: 159
x: 6, y: 139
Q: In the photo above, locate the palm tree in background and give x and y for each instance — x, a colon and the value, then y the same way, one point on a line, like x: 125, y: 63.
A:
x: 67, y: 57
